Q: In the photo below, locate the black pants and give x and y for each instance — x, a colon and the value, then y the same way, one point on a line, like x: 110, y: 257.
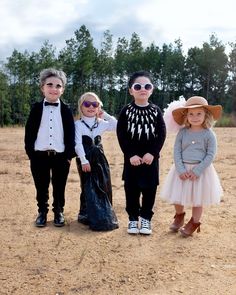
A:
x: 46, y: 167
x: 134, y: 207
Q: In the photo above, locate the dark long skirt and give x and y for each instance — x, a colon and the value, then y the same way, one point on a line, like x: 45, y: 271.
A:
x: 96, y: 191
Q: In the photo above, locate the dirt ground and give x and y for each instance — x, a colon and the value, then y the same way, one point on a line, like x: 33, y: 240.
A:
x: 75, y: 260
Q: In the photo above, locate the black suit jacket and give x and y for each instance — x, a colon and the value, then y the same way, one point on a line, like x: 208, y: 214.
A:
x: 33, y: 123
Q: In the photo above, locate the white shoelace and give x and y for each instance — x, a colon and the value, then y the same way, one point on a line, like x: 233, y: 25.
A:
x: 133, y: 224
x: 145, y: 223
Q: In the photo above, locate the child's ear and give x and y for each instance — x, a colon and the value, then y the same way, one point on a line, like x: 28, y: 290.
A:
x: 62, y: 89
x: 130, y: 91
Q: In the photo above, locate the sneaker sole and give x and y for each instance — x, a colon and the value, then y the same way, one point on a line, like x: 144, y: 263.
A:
x: 133, y: 232
x: 145, y: 232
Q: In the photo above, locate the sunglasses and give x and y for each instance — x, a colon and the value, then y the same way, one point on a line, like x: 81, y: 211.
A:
x: 87, y: 104
x: 138, y: 86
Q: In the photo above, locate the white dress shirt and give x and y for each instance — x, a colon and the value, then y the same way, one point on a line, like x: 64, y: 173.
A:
x: 51, y: 133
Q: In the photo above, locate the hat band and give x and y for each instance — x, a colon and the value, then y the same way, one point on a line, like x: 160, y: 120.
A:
x: 197, y: 105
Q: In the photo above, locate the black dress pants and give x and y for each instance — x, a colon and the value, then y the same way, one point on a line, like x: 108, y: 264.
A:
x: 135, y: 206
x: 49, y: 167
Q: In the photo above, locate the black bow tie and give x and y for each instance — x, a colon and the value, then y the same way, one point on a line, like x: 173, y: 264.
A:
x: 55, y: 104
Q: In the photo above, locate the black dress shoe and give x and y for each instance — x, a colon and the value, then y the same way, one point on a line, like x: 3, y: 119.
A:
x: 59, y: 219
x: 41, y: 219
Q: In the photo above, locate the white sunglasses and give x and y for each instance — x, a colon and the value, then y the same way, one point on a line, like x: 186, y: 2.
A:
x: 138, y: 86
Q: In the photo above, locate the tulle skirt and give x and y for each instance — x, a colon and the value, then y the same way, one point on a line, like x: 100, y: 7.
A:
x: 204, y: 191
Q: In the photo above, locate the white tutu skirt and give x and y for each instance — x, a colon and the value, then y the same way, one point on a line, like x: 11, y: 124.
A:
x: 204, y: 191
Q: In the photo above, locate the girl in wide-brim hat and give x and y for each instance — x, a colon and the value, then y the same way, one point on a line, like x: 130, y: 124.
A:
x: 179, y: 114
x: 192, y: 179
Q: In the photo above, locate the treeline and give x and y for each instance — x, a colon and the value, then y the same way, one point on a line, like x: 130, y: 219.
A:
x: 207, y: 71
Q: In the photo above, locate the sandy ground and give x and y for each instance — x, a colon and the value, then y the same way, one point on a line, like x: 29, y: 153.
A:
x: 74, y: 260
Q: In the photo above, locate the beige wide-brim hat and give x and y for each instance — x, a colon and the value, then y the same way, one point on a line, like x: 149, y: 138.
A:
x: 196, y: 102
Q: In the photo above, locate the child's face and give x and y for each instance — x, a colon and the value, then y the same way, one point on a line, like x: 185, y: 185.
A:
x: 90, y: 107
x: 52, y: 89
x: 196, y: 116
x: 141, y: 93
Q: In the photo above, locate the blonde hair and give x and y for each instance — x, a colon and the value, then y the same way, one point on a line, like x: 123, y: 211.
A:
x: 208, y: 122
x: 85, y: 96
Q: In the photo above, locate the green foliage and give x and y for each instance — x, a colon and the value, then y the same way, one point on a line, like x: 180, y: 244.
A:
x: 205, y: 71
x: 5, y: 107
x: 227, y: 120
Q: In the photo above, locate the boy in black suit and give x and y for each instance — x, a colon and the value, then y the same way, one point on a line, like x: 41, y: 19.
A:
x: 49, y: 144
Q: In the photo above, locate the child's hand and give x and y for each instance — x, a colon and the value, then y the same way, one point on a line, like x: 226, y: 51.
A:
x: 184, y: 176
x: 100, y: 113
x: 135, y: 160
x: 86, y: 167
x: 192, y: 176
x: 147, y: 159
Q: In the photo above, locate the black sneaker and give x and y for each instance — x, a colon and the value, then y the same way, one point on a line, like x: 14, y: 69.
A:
x: 133, y: 227
x: 145, y: 227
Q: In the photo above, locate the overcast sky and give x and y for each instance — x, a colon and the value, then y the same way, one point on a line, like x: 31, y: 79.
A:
x: 26, y: 24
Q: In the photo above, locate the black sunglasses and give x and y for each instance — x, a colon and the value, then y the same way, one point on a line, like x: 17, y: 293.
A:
x: 138, y: 86
x: 87, y: 104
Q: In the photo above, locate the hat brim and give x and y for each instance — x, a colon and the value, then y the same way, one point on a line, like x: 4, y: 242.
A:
x: 179, y: 114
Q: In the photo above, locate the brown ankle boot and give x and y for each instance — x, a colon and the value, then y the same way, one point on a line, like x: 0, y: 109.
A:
x: 178, y: 222
x: 190, y: 228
